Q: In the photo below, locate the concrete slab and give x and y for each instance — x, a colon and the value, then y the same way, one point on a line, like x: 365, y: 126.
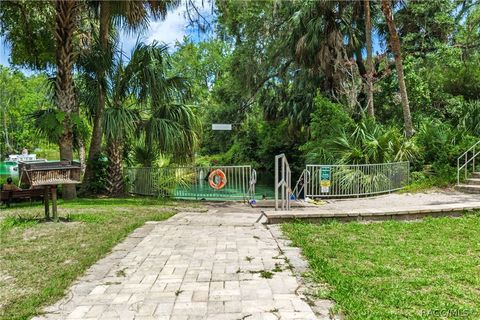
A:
x: 392, y: 206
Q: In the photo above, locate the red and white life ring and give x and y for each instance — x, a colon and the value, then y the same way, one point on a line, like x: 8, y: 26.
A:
x: 214, y: 184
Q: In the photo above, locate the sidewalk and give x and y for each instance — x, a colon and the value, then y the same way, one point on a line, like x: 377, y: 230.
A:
x: 214, y: 265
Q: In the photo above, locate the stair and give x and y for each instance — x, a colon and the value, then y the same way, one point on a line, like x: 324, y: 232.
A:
x: 471, y: 185
x: 475, y: 175
x: 473, y: 181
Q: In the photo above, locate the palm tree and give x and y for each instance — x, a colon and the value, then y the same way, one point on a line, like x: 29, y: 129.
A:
x: 134, y: 15
x: 143, y: 99
x: 32, y: 48
x: 65, y: 25
x: 395, y: 46
x: 318, y: 34
x: 368, y: 44
x: 318, y: 40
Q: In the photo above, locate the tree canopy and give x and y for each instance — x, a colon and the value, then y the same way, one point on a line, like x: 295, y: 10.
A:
x: 322, y: 81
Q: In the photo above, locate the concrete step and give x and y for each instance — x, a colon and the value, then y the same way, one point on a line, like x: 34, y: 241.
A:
x: 467, y: 188
x: 476, y: 175
x: 271, y: 204
x: 473, y: 181
x: 373, y: 213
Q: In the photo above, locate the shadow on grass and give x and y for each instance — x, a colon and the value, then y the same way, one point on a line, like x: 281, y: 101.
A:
x: 11, y: 222
x: 96, y: 202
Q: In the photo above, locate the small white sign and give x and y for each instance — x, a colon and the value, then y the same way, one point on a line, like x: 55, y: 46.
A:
x: 222, y: 126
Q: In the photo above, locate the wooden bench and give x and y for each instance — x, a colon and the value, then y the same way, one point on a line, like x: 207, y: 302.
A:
x: 23, y: 195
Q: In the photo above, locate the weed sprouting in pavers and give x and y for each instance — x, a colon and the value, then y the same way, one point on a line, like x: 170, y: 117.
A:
x: 278, y: 267
x: 121, y: 273
x: 178, y: 292
x: 266, y: 274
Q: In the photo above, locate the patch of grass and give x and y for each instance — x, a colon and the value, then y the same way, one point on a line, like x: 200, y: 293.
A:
x: 39, y: 261
x: 87, y: 217
x: 131, y: 201
x: 396, y: 270
x: 16, y: 222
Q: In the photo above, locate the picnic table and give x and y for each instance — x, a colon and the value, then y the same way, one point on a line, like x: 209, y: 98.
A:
x: 7, y: 196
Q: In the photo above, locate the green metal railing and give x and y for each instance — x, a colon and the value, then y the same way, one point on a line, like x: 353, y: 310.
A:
x: 190, y: 182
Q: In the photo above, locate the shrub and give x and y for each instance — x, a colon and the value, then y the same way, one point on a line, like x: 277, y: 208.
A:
x: 440, y: 143
x: 329, y: 120
x: 99, y: 180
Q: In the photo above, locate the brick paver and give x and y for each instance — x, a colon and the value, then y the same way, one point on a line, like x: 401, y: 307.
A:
x: 214, y: 265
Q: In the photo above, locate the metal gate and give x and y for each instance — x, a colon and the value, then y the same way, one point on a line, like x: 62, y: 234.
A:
x: 323, y: 181
x: 189, y: 182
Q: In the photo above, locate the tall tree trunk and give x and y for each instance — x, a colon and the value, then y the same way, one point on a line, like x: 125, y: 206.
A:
x: 395, y: 46
x: 64, y: 86
x: 97, y: 132
x: 81, y: 155
x: 369, y: 74
x: 115, y: 185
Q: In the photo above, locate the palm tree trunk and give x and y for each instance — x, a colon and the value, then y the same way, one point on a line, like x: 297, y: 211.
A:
x: 81, y: 155
x: 395, y: 46
x: 64, y: 86
x: 97, y: 132
x: 115, y: 185
x: 369, y: 75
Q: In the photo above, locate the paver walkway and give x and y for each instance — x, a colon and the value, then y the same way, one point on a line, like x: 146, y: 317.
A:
x: 213, y: 265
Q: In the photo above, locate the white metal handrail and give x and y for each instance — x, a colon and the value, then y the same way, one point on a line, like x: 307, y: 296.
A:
x: 301, y: 183
x: 283, y: 178
x: 466, y: 160
x: 253, y: 182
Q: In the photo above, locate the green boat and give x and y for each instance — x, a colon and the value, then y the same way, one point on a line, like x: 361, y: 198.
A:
x: 8, y: 168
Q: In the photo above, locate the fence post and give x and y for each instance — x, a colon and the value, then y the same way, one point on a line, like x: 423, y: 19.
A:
x: 408, y: 172
x: 276, y: 183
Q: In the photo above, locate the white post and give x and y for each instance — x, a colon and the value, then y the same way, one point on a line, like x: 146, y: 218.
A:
x: 276, y: 183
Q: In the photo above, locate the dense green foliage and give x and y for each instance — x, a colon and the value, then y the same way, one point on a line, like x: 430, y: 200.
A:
x: 20, y: 96
x: 275, y: 85
x: 290, y: 76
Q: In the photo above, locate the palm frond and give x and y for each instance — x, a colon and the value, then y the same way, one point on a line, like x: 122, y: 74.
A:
x: 119, y: 123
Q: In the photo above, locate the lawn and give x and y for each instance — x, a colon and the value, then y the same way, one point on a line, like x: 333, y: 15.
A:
x: 428, y: 269
x: 39, y: 260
